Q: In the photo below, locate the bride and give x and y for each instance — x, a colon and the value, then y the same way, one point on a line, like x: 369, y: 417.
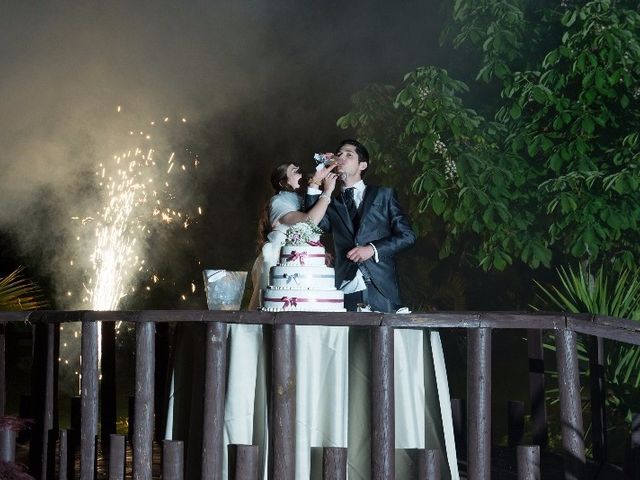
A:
x: 247, y: 398
x: 283, y: 210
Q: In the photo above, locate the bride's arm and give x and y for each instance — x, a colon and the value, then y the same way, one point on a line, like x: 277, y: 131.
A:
x: 316, y: 213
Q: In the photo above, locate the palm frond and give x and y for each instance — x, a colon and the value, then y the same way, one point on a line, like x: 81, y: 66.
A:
x: 18, y: 293
x: 616, y: 293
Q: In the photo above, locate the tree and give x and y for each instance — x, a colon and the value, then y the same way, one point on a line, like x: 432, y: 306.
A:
x: 554, y: 173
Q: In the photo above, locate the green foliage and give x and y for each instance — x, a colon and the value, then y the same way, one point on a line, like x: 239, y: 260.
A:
x: 616, y: 295
x: 581, y: 292
x: 556, y: 172
x: 577, y: 126
x: 18, y: 293
x: 497, y: 28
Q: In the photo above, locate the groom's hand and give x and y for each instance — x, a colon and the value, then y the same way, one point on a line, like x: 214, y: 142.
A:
x: 360, y: 254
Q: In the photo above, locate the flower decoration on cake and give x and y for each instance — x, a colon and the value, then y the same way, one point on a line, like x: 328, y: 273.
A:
x: 303, y: 233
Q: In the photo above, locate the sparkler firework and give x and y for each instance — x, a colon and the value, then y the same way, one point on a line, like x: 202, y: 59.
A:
x: 139, y: 197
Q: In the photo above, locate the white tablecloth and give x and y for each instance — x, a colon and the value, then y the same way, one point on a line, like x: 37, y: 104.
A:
x: 332, y: 397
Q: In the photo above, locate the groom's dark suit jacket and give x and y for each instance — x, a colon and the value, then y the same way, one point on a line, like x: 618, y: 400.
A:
x: 382, y: 223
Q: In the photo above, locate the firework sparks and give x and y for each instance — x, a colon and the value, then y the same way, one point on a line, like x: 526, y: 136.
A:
x: 129, y: 184
x: 130, y: 208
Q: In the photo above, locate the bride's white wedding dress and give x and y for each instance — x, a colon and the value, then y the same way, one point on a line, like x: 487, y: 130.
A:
x: 321, y: 361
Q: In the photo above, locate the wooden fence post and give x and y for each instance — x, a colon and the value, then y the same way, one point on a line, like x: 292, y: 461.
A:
x: 479, y: 401
x: 108, y: 383
x: 63, y: 457
x: 528, y: 462
x: 334, y: 463
x: 89, y: 399
x: 429, y: 464
x: 570, y: 405
x: 116, y: 457
x: 283, y: 418
x: 243, y: 462
x: 143, y: 427
x: 173, y: 460
x: 214, y: 392
x: 382, y: 404
x: 7, y: 445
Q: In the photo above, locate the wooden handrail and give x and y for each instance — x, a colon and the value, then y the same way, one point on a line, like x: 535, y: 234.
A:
x: 613, y: 328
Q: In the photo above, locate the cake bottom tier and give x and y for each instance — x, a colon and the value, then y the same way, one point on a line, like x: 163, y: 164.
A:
x: 284, y: 300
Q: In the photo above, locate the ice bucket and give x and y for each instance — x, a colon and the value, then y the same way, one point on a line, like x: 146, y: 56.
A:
x: 224, y: 289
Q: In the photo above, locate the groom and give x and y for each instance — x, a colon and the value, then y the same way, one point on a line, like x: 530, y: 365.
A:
x: 368, y: 227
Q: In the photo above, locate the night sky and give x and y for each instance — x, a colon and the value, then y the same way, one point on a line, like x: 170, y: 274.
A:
x: 260, y: 83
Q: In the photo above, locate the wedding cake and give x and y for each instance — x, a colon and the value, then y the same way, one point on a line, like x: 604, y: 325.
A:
x: 301, y: 281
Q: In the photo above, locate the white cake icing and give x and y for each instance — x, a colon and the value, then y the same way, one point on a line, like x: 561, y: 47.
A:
x: 277, y: 300
x: 307, y: 255
x: 302, y: 282
x: 302, y: 277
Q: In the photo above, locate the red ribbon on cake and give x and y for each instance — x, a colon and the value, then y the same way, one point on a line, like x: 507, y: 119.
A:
x: 293, y: 256
x: 315, y: 243
x: 293, y: 301
x: 300, y: 256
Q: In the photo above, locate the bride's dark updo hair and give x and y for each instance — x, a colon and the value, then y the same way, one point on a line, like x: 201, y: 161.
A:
x: 279, y: 182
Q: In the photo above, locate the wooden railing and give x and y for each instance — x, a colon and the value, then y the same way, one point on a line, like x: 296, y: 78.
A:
x: 45, y: 436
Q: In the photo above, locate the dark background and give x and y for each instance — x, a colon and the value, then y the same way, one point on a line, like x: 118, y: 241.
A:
x: 261, y: 83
